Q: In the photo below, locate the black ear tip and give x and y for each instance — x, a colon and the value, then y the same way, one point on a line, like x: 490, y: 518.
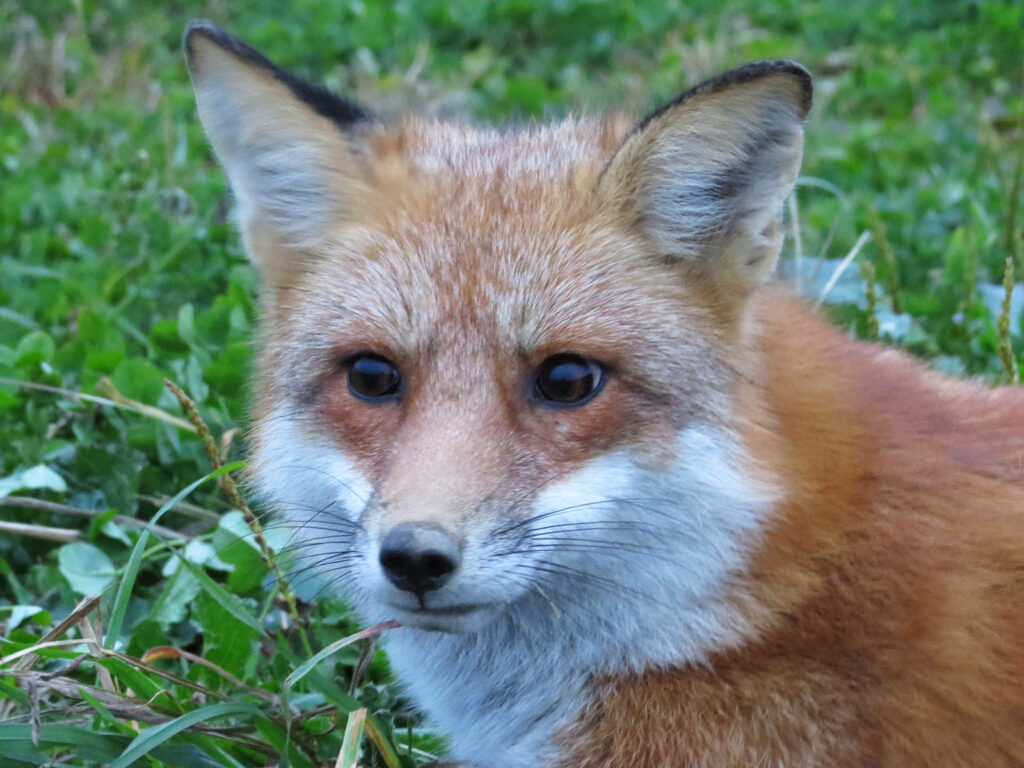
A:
x: 759, y: 69
x: 343, y: 113
x: 801, y: 73
x: 200, y: 28
x: 739, y: 76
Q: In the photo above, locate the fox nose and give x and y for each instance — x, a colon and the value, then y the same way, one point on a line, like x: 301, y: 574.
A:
x: 419, y: 557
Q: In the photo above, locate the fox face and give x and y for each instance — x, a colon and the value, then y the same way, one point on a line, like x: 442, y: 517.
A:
x: 495, y: 388
x: 494, y: 384
x: 497, y: 364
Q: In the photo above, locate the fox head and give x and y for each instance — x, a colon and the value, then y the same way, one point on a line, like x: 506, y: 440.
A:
x: 497, y: 366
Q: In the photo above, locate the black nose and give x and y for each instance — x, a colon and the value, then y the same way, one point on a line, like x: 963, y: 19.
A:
x: 419, y: 557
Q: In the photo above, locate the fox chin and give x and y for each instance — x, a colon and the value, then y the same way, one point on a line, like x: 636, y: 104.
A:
x: 532, y: 393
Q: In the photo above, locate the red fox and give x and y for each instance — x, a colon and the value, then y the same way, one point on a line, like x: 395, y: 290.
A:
x: 530, y: 393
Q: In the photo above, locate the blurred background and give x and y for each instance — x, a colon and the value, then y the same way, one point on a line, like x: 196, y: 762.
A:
x: 119, y: 267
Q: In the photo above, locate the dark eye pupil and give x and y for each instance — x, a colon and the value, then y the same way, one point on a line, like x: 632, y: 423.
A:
x: 373, y: 377
x: 567, y: 379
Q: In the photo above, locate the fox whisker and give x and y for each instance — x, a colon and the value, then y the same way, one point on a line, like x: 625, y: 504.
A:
x: 323, y: 472
x: 596, y: 503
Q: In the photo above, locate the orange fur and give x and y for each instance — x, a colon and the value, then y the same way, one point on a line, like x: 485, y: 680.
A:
x: 887, y: 594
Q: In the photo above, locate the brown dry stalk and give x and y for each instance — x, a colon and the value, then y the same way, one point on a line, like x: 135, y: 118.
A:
x: 226, y: 482
x: 123, y: 707
x: 365, y: 657
x: 28, y: 502
x: 230, y: 489
x: 85, y: 606
x: 45, y: 532
x: 170, y: 652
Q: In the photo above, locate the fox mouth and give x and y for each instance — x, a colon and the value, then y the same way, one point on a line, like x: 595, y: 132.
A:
x: 452, y: 610
x: 468, y: 617
x: 444, y: 610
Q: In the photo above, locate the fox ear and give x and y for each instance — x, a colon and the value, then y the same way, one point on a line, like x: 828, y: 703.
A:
x: 706, y: 175
x: 288, y: 147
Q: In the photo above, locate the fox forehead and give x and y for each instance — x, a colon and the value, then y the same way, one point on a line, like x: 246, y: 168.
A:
x: 451, y: 149
x: 459, y: 220
x: 487, y: 241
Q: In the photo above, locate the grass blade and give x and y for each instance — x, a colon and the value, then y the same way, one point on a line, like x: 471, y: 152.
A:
x: 383, y: 744
x: 131, y: 571
x: 304, y: 668
x: 150, y: 738
x: 349, y: 755
x: 841, y: 267
x: 87, y: 744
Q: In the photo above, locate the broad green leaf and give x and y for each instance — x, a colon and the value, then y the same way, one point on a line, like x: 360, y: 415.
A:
x: 138, y: 379
x: 39, y: 477
x: 21, y: 612
x: 113, y: 530
x: 34, y: 348
x: 174, y: 600
x: 226, y: 641
x: 236, y: 545
x: 229, y: 602
x: 21, y: 594
x: 199, y: 552
x: 86, y: 567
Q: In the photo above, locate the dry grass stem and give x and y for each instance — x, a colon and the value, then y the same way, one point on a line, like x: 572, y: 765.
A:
x: 230, y: 489
x: 842, y: 267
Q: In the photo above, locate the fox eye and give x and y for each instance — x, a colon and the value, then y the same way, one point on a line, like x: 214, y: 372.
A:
x: 567, y: 379
x: 373, y: 378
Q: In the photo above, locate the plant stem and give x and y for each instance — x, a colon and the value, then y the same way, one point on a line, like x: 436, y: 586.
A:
x: 871, y: 297
x: 1003, y: 325
x: 230, y: 489
x: 892, y: 271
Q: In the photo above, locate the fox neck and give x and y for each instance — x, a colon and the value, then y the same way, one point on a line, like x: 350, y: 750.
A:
x: 497, y: 691
x: 797, y: 412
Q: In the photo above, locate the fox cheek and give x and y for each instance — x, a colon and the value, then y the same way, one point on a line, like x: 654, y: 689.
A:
x: 362, y: 430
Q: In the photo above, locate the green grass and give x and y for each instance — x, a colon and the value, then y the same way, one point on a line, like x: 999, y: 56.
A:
x: 119, y: 267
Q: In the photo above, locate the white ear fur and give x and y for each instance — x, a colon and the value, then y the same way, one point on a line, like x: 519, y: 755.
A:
x: 286, y: 145
x: 706, y: 176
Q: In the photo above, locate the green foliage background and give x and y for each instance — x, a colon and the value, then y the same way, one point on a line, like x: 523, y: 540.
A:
x: 119, y: 267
